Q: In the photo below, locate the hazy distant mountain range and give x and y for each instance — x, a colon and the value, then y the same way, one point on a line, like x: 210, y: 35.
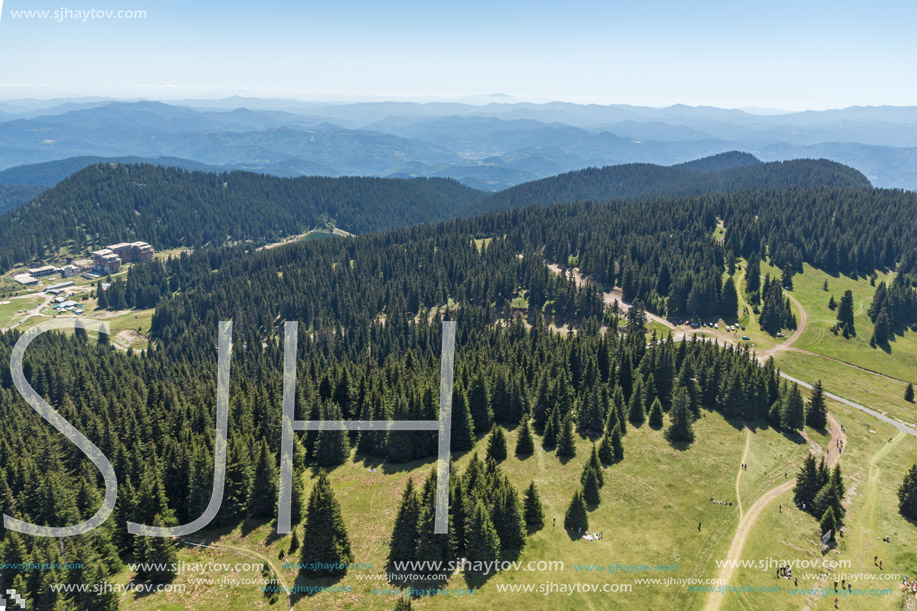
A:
x: 488, y: 147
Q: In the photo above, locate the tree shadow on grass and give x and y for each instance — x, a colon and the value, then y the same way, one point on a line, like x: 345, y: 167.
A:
x: 681, y: 446
x: 477, y: 579
x: 308, y: 585
x: 273, y: 536
x: 574, y: 534
x: 794, y: 436
x: 249, y: 525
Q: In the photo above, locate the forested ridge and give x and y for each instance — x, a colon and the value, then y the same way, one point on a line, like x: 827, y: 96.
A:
x: 170, y: 207
x: 660, y: 252
x: 724, y: 173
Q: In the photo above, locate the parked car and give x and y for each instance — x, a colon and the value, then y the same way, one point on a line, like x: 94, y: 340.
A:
x: 716, y: 325
x: 695, y: 325
x: 746, y: 338
x: 743, y: 327
x: 779, y: 334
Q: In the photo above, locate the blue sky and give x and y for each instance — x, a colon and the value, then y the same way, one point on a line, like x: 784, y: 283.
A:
x: 792, y: 55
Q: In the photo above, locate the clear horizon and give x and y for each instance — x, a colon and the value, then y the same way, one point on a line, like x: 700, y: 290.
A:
x: 469, y: 99
x: 792, y: 57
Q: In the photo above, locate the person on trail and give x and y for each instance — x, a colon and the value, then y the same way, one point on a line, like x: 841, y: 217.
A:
x: 555, y: 521
x: 796, y: 581
x: 698, y: 527
x: 781, y: 509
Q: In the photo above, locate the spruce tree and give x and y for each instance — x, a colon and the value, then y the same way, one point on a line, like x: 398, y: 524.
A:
x: 462, y: 424
x: 401, y: 446
x: 907, y: 494
x: 508, y: 520
x: 326, y: 548
x: 618, y: 402
x: 787, y: 278
x: 534, y: 513
x: 817, y: 409
x: 430, y: 545
x: 479, y: 404
x: 483, y: 544
x: 501, y: 398
x: 881, y: 331
x: 837, y: 482
x: 403, y: 544
x: 403, y: 604
x: 101, y: 297
x: 591, y: 486
x: 294, y: 542
x: 575, y: 519
x: 332, y: 446
x: 617, y: 444
x: 595, y: 464
x: 827, y: 498
x: 636, y: 414
x: 157, y: 555
x: 729, y: 299
x: 566, y: 446
x: 828, y: 522
x: 845, y: 313
x: 550, y: 432
x: 262, y: 501
x: 496, y: 444
x: 753, y: 274
x: 298, y: 501
x: 542, y: 407
x: 807, y: 484
x: 793, y: 416
x: 656, y: 414
x: 775, y: 413
x: 590, y: 417
x: 525, y: 444
x: 606, y: 453
x: 680, y: 429
x: 909, y: 393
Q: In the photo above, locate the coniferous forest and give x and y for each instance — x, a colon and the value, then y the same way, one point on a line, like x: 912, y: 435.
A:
x: 370, y: 310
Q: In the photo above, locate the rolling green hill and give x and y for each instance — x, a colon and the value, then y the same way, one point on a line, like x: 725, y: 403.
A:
x: 725, y: 173
x: 170, y: 207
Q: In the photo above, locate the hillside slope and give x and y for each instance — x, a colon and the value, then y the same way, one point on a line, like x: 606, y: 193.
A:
x: 725, y: 173
x: 169, y: 207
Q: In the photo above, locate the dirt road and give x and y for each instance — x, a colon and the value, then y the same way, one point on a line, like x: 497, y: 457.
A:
x: 746, y: 522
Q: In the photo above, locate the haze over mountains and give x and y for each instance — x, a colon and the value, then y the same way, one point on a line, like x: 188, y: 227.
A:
x: 487, y: 147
